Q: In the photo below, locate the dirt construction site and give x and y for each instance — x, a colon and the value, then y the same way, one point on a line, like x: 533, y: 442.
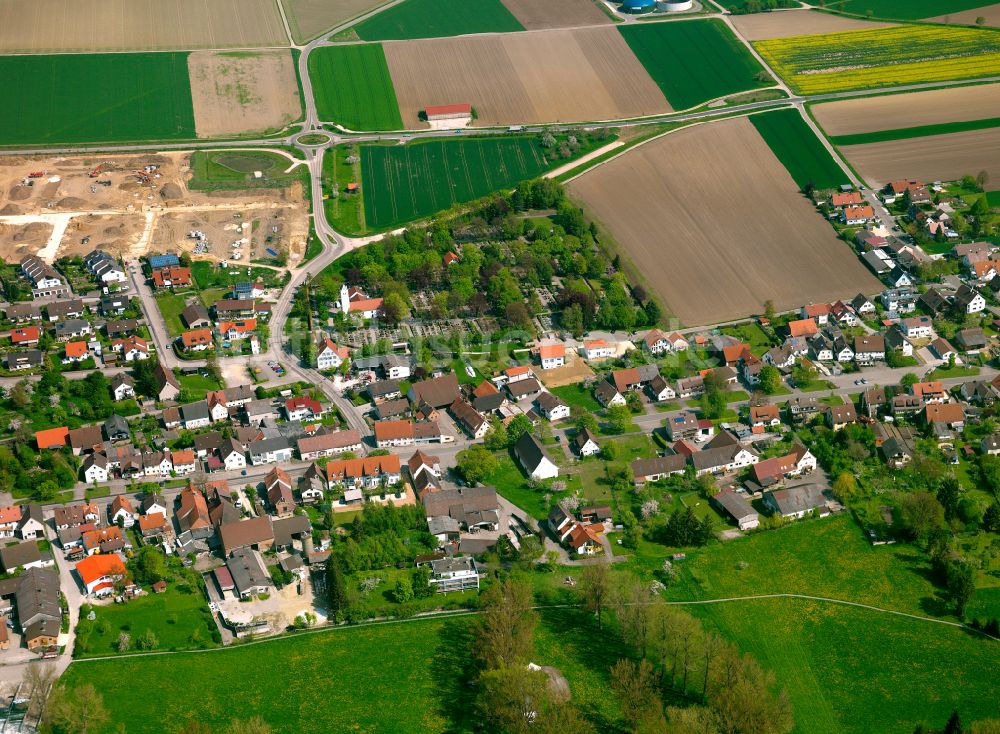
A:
x: 130, y: 205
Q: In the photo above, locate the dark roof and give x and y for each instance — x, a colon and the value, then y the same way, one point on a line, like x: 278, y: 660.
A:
x: 469, y: 498
x: 21, y: 554
x: 438, y: 392
x: 798, y: 499
x: 529, y: 451
x: 735, y: 504
x: 38, y: 595
x: 286, y: 528
x: 247, y: 570
x: 582, y: 436
x: 658, y: 465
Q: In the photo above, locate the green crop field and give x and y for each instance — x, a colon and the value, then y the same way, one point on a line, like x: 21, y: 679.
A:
x: 906, y: 9
x: 391, y: 678
x: 438, y: 19
x: 920, y: 131
x: 405, y: 182
x: 798, y: 149
x: 694, y: 61
x: 219, y: 170
x: 882, y: 57
x: 81, y: 98
x: 353, y: 87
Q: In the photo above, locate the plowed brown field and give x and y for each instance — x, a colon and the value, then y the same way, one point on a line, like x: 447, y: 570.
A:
x: 932, y: 158
x: 536, y: 15
x: 895, y: 111
x: 310, y: 18
x: 44, y: 26
x: 548, y: 76
x: 788, y: 23
x: 715, y: 223
x: 991, y: 14
x: 235, y: 95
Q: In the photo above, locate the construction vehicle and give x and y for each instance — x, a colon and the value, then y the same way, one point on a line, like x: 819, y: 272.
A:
x: 96, y: 171
x: 36, y: 174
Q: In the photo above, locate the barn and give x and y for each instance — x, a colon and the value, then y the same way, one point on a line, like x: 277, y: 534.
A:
x: 447, y: 115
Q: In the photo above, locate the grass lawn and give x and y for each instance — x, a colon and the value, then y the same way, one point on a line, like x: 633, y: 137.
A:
x: 919, y: 131
x: 510, y: 482
x: 346, y: 211
x: 799, y: 150
x: 750, y: 333
x: 180, y: 621
x: 405, y: 182
x: 438, y: 19
x: 694, y: 61
x: 209, y: 275
x: 578, y: 397
x: 816, y: 385
x: 957, y: 371
x: 353, y: 87
x: 78, y: 98
x: 420, y: 660
x: 196, y: 385
x: 845, y: 668
x: 222, y: 170
x: 171, y: 305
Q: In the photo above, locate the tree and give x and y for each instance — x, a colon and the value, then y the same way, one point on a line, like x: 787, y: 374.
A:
x: 845, y: 486
x: 336, y: 588
x: 213, y: 368
x: 991, y: 518
x: 572, y: 319
x: 595, y: 587
x: 954, y: 725
x: 610, y: 451
x: 947, y: 495
x: 506, y: 628
x: 511, y: 699
x: 517, y: 427
x: 124, y: 641
x: 961, y: 581
x: 39, y: 680
x: 636, y: 686
x: 403, y: 591
x: 619, y: 418
x: 769, y: 312
x: 496, y: 437
x: 908, y: 380
x: 770, y: 379
x: 75, y: 710
x: 476, y: 463
x: 921, y: 513
x: 589, y: 421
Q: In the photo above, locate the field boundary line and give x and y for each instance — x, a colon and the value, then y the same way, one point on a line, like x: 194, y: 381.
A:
x: 445, y: 614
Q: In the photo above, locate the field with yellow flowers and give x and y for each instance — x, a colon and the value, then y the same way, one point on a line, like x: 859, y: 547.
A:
x: 883, y: 57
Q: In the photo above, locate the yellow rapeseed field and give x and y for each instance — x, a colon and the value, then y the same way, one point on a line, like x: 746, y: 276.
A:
x: 882, y: 57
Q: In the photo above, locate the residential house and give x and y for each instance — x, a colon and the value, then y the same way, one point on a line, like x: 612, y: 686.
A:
x: 551, y: 356
x: 585, y: 443
x: 660, y: 390
x: 31, y: 359
x: 122, y: 387
x: 196, y: 316
x: 454, y: 574
x: 246, y: 569
x: 607, y: 394
x: 100, y: 573
x: 237, y: 330
x: 197, y: 340
x: 552, y: 407
x: 270, y: 450
x: 873, y: 399
x: 765, y: 415
x: 918, y: 327
x: 869, y: 348
x: 167, y: 386
x: 172, y: 277
x: 195, y: 415
x: 255, y: 533
x: 153, y: 504
x: 329, y: 444
x: 839, y: 416
x: 597, y: 349
x: 896, y: 341
x: 661, y: 467
x: 105, y: 540
x: 329, y: 356
x: 531, y: 456
x: 303, y: 408
x: 798, y: 501
x: 278, y: 487
x: 30, y: 526
x: 799, y: 461
x: 943, y: 349
x: 683, y: 425
x: 901, y: 405
x: 71, y: 308
x: 951, y: 415
x: 723, y: 454
x: 370, y: 472
x: 523, y: 389
x: 192, y: 514
x: 437, y: 392
x: 121, y: 512
x: 690, y: 387
x: 183, y: 461
x: 969, y: 301
x: 131, y: 348
x: 863, y: 306
x: 932, y: 391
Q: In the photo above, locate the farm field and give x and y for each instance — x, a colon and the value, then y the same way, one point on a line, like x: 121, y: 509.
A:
x: 556, y: 13
x: 760, y: 26
x: 693, y: 61
x: 49, y: 26
x: 906, y: 9
x: 989, y: 13
x: 548, y: 76
x: 95, y: 98
x: 814, y: 64
x: 422, y: 658
x: 912, y: 109
x: 675, y: 183
x: 798, y: 148
x: 404, y: 183
x: 921, y: 131
x: 353, y: 87
x: 936, y: 158
x: 241, y: 93
x: 437, y: 19
x: 308, y: 19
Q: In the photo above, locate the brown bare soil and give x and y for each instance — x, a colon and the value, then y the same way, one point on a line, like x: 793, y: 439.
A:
x: 535, y: 15
x: 716, y: 225
x: 991, y: 14
x: 245, y: 93
x: 895, y: 111
x: 18, y: 240
x: 125, y: 217
x: 310, y: 18
x: 575, y: 370
x: 548, y: 76
x: 787, y: 23
x: 933, y: 158
x: 43, y: 26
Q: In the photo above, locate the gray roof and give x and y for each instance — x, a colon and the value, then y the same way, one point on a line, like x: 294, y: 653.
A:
x: 452, y: 565
x: 286, y: 528
x: 547, y: 401
x: 195, y: 411
x: 529, y: 451
x: 658, y: 465
x: 259, y: 407
x: 247, y: 570
x: 470, y: 499
x: 798, y: 499
x: 38, y: 596
x: 266, y: 445
x: 735, y: 504
x: 21, y: 554
x: 440, y: 524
